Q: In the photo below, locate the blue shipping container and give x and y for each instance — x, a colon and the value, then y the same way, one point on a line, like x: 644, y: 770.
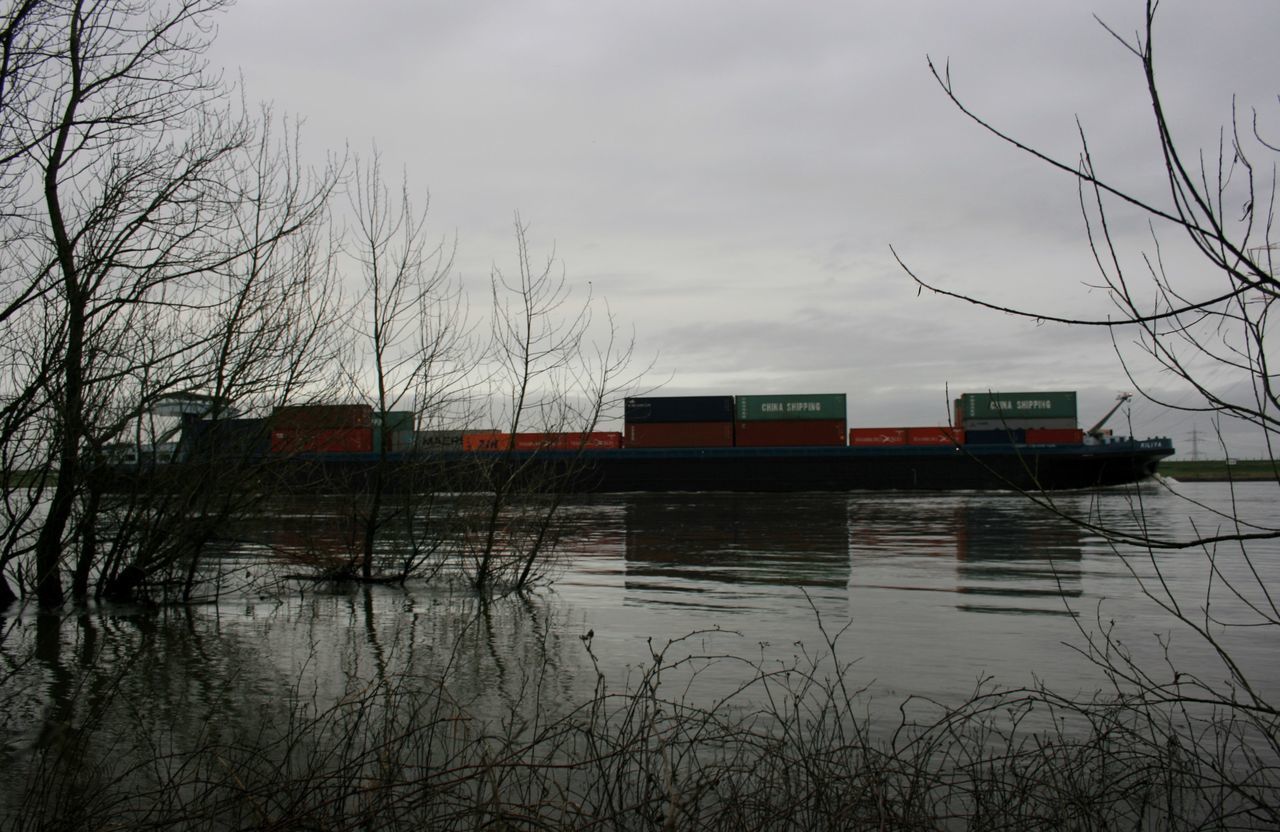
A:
x: 228, y: 440
x: 640, y: 410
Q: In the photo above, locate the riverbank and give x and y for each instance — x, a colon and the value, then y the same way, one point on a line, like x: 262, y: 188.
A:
x: 1218, y: 470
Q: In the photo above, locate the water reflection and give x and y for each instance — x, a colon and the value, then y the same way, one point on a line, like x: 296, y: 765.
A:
x: 725, y: 550
x: 935, y: 590
x: 739, y: 538
x: 1014, y: 564
x: 1004, y: 557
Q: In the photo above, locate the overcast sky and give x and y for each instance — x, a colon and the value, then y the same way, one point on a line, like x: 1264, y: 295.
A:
x: 731, y: 174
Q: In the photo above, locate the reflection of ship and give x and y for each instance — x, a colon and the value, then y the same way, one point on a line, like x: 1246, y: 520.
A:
x: 1014, y: 563
x: 739, y: 539
x: 1007, y: 560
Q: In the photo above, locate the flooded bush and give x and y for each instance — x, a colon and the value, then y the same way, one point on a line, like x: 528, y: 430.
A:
x: 152, y: 728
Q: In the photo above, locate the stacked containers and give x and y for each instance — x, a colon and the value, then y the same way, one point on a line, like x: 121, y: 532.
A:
x: 1002, y: 418
x: 790, y: 420
x: 679, y: 422
x: 322, y: 428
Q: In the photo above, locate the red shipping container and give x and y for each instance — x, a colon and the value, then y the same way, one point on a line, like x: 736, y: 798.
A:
x: 483, y: 441
x: 935, y: 436
x: 862, y: 437
x: 321, y: 416
x: 541, y: 441
x: 322, y: 441
x: 598, y: 441
x: 679, y: 435
x: 790, y: 433
x: 1055, y: 436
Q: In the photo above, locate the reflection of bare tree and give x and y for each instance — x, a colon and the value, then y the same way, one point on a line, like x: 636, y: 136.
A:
x: 174, y: 715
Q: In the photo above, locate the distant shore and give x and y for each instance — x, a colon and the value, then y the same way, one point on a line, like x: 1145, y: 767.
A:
x: 1218, y: 470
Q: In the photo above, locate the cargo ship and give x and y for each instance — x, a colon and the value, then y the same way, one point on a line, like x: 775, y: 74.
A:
x: 779, y: 443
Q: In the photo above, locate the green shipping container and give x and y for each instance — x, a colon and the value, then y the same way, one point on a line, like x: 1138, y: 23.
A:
x: 396, y: 427
x: 395, y: 421
x: 791, y: 407
x: 1042, y: 405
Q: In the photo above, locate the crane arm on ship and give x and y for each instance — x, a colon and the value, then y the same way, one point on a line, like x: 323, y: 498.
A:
x: 1096, y: 430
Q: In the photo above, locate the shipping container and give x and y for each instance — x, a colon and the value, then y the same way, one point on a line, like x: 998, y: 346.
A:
x: 224, y: 439
x: 395, y: 421
x: 322, y: 416
x: 679, y: 435
x: 1041, y: 405
x: 1015, y: 436
x: 864, y: 437
x: 393, y: 430
x: 321, y: 440
x: 440, y: 440
x: 792, y: 407
x: 484, y: 440
x: 541, y: 441
x: 935, y: 436
x: 646, y: 409
x: 1055, y: 436
x: 597, y: 441
x: 1023, y: 423
x: 790, y: 433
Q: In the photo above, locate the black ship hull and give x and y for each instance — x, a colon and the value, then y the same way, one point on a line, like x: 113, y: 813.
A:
x: 971, y: 467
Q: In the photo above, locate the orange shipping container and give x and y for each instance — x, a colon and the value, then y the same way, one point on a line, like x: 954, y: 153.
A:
x: 598, y: 441
x: 541, y: 441
x: 935, y: 436
x: 877, y: 436
x: 483, y: 441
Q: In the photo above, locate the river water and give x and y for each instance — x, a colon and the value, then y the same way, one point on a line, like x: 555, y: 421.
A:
x: 914, y: 595
x: 929, y: 594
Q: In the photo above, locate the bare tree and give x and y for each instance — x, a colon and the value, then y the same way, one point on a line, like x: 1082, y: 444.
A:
x: 1206, y: 326
x: 552, y: 372
x: 413, y: 340
x: 1203, y: 321
x: 131, y: 168
x: 260, y: 332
